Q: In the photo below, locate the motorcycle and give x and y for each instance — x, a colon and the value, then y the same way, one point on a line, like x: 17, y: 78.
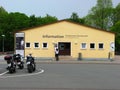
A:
x: 31, y: 66
x: 11, y: 64
x: 18, y: 60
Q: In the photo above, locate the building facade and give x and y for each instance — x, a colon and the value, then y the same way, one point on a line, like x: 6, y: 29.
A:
x: 75, y: 40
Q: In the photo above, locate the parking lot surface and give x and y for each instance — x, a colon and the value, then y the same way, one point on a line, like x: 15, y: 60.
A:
x: 63, y: 77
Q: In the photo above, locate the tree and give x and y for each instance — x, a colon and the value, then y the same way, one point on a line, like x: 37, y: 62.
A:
x: 75, y: 18
x: 48, y: 19
x: 32, y: 21
x: 116, y: 29
x: 100, y: 16
x: 11, y: 22
x: 116, y: 26
x: 3, y: 15
x: 116, y: 13
x: 3, y: 11
x: 18, y: 21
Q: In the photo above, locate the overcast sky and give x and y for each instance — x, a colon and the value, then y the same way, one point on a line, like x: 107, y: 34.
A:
x: 62, y: 9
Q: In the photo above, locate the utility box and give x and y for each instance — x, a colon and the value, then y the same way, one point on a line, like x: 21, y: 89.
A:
x: 110, y: 57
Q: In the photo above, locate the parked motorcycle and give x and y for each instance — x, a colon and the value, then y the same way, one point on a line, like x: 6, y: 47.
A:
x: 11, y: 64
x: 18, y: 60
x: 31, y: 66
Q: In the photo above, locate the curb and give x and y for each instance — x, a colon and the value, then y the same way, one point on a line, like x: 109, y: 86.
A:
x: 83, y: 62
x: 115, y: 62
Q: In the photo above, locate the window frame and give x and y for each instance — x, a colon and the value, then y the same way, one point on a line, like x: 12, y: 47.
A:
x: 93, y: 44
x: 37, y: 43
x: 99, y: 45
x: 43, y: 45
x: 84, y: 47
x: 27, y: 46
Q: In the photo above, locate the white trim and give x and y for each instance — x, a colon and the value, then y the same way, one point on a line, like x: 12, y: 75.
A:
x: 26, y: 46
x: 99, y: 47
x: 44, y: 47
x: 94, y: 46
x: 38, y: 45
x: 85, y: 45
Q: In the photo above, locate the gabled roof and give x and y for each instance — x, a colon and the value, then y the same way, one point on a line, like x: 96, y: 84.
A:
x: 66, y: 21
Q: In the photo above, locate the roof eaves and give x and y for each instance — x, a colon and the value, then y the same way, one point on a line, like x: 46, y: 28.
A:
x: 66, y: 21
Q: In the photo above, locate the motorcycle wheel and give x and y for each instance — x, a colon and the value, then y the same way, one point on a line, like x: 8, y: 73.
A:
x: 21, y: 66
x: 34, y: 68
x: 30, y: 68
x: 12, y: 70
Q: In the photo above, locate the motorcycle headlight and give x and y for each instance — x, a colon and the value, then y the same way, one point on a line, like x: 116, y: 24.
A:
x: 28, y: 63
x: 9, y: 65
x: 18, y: 63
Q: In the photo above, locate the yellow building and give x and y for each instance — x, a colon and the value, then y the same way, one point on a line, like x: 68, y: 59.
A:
x: 74, y: 40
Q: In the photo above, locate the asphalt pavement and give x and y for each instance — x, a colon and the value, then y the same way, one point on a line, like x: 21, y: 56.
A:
x: 64, y: 75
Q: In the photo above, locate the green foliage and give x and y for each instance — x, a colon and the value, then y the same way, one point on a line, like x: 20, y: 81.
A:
x: 3, y: 11
x: 100, y: 16
x: 32, y: 21
x: 116, y: 14
x: 18, y: 21
x: 116, y: 26
x: 116, y: 29
x: 35, y: 21
x: 75, y: 18
x: 11, y: 22
x: 48, y: 19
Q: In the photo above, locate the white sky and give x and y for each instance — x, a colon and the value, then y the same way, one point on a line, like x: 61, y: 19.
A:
x: 62, y: 9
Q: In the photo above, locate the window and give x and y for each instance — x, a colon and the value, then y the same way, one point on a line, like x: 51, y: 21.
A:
x: 92, y: 46
x: 36, y: 45
x: 83, y: 46
x: 101, y: 46
x: 45, y: 45
x: 27, y: 45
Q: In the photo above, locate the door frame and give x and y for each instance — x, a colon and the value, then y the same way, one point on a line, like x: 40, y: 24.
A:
x: 66, y: 50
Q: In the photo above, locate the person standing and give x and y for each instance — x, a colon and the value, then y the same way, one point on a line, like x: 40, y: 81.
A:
x: 56, y: 53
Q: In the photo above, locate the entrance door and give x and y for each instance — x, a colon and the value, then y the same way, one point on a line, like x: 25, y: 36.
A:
x: 64, y: 48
